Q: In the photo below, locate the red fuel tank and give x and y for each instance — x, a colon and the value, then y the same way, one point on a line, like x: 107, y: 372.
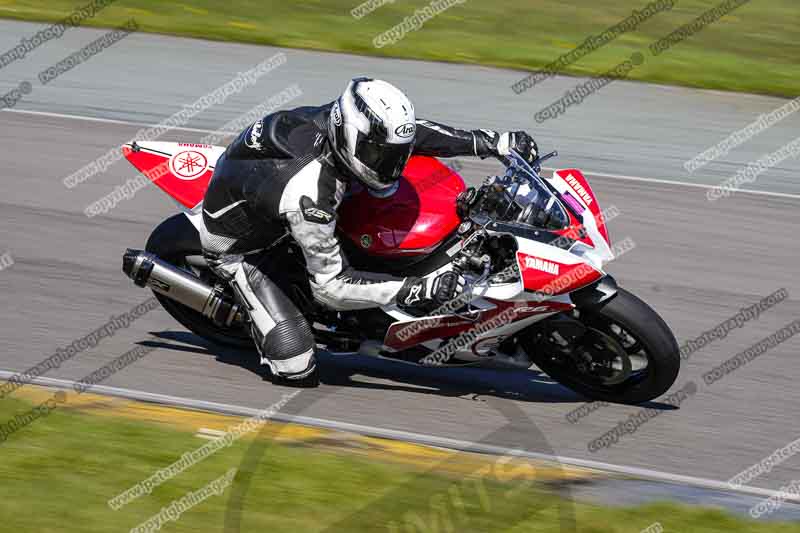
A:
x: 413, y: 220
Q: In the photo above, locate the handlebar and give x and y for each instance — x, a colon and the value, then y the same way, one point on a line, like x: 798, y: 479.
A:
x: 519, y: 161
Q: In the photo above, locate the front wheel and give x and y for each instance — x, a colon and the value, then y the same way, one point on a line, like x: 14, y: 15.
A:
x: 624, y: 352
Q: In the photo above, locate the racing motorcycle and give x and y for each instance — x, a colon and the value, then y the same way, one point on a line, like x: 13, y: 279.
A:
x: 531, y: 249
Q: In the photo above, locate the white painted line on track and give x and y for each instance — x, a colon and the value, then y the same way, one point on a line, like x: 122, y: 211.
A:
x: 418, y: 438
x: 599, y: 174
x: 684, y: 184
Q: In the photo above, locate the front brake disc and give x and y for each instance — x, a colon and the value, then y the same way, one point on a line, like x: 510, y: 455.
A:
x: 604, y: 343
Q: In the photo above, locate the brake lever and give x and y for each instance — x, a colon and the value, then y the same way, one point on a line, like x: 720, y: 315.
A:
x: 536, y: 164
x: 541, y: 159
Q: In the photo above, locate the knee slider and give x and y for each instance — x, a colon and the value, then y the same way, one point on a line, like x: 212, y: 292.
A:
x: 289, y: 338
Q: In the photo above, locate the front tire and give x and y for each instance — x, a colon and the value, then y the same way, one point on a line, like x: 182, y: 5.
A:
x: 622, y: 333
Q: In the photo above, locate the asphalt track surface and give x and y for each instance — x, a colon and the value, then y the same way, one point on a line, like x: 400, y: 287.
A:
x: 697, y: 263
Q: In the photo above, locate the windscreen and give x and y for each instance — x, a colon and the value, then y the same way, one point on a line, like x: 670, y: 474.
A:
x: 535, y: 203
x: 539, y: 207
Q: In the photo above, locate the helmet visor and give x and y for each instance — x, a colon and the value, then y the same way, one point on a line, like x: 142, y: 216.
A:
x: 385, y: 159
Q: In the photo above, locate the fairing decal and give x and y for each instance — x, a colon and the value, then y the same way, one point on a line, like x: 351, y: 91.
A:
x: 402, y: 335
x: 553, y: 270
x: 182, y: 170
x: 549, y: 277
x: 574, y: 189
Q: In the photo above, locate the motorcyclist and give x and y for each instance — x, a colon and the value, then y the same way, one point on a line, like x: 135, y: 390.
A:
x: 292, y: 168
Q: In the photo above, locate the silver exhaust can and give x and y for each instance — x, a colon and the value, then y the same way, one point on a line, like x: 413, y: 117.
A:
x: 148, y: 270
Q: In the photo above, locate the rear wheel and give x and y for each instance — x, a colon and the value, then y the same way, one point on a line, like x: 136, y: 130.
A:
x: 624, y: 353
x: 197, y: 323
x: 176, y: 241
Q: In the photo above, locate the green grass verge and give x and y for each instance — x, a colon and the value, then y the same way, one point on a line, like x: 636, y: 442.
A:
x: 58, y: 473
x: 753, y: 49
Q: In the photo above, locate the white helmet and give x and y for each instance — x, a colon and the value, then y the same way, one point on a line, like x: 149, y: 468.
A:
x: 372, y: 128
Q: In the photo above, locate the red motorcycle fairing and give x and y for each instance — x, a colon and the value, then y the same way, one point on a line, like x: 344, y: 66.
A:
x: 412, y: 221
x: 549, y: 276
x: 182, y: 170
x: 575, y: 191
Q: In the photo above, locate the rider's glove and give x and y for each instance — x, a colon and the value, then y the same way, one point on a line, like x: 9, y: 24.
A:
x: 431, y: 291
x: 519, y: 141
x: 500, y: 144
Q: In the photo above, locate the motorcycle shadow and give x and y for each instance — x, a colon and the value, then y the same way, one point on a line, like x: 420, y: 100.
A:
x: 366, y: 372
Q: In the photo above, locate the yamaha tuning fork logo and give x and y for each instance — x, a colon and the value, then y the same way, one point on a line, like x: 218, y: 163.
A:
x: 188, y: 165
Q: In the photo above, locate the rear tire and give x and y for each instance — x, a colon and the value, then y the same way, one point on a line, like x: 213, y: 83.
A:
x: 650, y: 336
x: 173, y: 241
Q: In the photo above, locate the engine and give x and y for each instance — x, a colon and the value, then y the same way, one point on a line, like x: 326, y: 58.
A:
x: 487, y: 255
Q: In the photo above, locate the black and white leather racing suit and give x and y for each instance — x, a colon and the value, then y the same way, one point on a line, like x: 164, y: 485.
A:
x: 278, y: 173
